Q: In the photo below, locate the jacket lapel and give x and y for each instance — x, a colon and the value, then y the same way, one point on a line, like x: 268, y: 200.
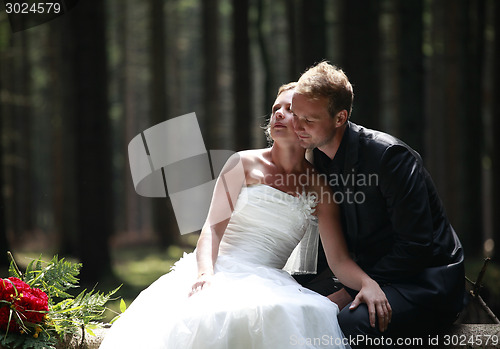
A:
x: 350, y: 174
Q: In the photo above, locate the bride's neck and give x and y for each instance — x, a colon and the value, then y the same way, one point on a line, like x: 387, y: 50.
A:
x: 289, y: 159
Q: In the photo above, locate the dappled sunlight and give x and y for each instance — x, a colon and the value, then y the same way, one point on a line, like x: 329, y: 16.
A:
x: 139, y: 267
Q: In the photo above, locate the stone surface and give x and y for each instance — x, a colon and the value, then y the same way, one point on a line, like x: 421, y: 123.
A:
x: 472, y: 336
x: 89, y: 342
x: 462, y: 336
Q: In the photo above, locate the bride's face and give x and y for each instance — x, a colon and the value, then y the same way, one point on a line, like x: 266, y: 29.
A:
x: 281, y: 125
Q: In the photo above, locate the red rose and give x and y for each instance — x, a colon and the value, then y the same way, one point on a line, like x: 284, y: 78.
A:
x: 30, y: 303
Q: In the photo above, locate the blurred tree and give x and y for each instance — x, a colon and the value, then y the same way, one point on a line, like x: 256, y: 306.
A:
x: 157, y: 62
x: 311, y: 32
x: 116, y: 47
x: 61, y: 48
x: 18, y: 124
x: 360, y: 61
x: 93, y: 147
x: 294, y: 69
x: 4, y: 242
x: 496, y: 133
x: 308, y: 29
x: 128, y: 209
x: 440, y: 130
x: 264, y: 54
x: 164, y: 223
x: 210, y: 28
x: 454, y: 145
x: 471, y: 141
x: 242, y: 83
x: 411, y: 73
x: 24, y: 140
x: 172, y: 59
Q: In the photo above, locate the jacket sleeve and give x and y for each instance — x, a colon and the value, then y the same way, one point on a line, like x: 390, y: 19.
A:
x: 403, y: 186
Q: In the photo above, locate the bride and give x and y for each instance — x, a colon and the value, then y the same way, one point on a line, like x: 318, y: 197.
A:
x: 232, y: 291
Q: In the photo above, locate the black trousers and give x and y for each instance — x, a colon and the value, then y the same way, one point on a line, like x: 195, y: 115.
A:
x: 412, y: 325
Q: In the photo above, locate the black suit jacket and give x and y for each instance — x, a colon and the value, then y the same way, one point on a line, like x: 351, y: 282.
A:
x: 395, y: 223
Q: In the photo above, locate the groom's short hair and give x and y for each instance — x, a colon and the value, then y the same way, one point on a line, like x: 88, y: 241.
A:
x: 326, y: 80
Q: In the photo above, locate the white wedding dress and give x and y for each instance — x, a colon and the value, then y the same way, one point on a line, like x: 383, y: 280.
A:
x: 251, y: 303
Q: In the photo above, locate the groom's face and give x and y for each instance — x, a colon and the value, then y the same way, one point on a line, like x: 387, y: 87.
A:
x: 312, y: 121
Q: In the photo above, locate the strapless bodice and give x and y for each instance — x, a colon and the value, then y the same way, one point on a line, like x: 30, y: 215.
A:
x: 266, y: 225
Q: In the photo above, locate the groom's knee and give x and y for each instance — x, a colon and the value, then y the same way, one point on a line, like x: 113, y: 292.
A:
x: 356, y: 322
x: 355, y: 325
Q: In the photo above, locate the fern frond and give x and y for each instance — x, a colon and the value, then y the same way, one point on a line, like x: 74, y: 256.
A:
x: 55, y: 278
x: 84, y: 310
x: 13, y: 268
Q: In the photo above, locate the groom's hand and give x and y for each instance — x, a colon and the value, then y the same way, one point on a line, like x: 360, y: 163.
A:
x: 341, y: 298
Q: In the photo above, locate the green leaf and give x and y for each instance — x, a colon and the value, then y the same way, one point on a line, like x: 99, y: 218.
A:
x: 13, y: 268
x: 16, y: 340
x: 54, y: 277
x: 67, y: 314
x: 123, y: 306
x: 115, y: 318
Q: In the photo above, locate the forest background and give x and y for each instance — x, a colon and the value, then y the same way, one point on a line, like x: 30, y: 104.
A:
x: 75, y: 90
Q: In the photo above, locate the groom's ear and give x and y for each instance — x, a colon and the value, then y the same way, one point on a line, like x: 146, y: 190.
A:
x: 341, y: 118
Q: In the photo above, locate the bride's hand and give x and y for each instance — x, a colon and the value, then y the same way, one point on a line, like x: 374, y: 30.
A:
x: 377, y: 303
x: 202, y: 282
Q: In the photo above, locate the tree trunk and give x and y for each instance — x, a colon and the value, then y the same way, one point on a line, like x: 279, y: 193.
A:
x: 94, y: 185
x: 454, y: 145
x: 471, y: 142
x: 210, y: 67
x: 440, y: 132
x: 264, y: 53
x: 294, y: 69
x: 17, y: 121
x: 63, y: 148
x: 361, y: 59
x: 307, y: 34
x: 411, y: 72
x: 162, y: 208
x: 311, y: 33
x: 4, y: 242
x: 242, y: 83
x: 496, y: 132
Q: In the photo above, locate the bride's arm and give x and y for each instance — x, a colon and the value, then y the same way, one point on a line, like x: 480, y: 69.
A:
x: 344, y: 267
x: 224, y: 198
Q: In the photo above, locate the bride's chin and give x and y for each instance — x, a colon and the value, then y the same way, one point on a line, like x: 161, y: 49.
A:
x: 289, y: 143
x: 286, y: 140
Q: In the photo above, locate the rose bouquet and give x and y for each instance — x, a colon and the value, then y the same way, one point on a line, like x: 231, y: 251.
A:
x: 23, y: 306
x: 37, y: 312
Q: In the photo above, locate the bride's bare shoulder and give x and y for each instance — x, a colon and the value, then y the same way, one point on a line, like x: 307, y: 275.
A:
x: 246, y: 160
x: 252, y: 156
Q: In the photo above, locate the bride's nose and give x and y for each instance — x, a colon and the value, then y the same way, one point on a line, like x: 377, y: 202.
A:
x: 279, y: 114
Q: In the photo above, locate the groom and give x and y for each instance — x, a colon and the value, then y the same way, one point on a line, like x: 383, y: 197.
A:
x: 394, y: 222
